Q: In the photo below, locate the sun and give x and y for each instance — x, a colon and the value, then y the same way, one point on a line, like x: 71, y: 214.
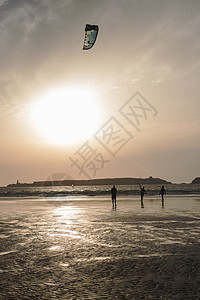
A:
x: 66, y: 116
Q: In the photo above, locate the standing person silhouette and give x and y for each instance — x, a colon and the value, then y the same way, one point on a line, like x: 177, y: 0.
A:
x: 162, y: 193
x: 114, y: 195
x: 142, y: 189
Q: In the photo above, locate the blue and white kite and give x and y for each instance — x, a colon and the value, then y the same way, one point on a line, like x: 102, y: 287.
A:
x: 91, y: 32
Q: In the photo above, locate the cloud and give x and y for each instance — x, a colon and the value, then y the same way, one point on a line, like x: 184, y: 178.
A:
x: 140, y: 42
x: 37, y: 34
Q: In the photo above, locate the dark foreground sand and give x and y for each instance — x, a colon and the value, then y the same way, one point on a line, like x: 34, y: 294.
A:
x: 63, y: 249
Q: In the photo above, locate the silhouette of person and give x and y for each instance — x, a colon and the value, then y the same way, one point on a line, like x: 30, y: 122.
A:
x: 142, y: 189
x: 162, y: 193
x: 114, y: 195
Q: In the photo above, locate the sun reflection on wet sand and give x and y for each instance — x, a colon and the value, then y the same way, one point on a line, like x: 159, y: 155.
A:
x: 68, y: 213
x: 67, y: 220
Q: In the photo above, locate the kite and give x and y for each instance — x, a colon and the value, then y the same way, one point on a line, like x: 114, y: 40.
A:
x: 91, y: 32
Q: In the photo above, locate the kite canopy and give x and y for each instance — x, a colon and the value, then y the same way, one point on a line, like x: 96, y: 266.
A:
x: 91, y: 32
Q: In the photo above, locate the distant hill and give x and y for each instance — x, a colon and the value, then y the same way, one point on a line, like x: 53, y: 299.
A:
x: 196, y: 180
x: 104, y: 181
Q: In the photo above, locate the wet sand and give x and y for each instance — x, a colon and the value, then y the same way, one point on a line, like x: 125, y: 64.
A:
x: 79, y: 248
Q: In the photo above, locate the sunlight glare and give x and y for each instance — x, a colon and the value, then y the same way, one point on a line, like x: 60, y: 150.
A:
x: 67, y: 116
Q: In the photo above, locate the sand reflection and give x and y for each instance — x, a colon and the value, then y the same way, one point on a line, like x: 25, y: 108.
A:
x: 68, y: 219
x: 68, y: 214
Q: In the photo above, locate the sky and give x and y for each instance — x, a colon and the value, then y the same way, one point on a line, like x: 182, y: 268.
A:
x: 128, y: 107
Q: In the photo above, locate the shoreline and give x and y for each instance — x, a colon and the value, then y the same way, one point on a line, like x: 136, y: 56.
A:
x: 104, y: 197
x: 172, y: 204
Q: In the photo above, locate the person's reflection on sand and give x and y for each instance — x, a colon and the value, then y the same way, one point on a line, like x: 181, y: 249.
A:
x: 114, y: 196
x: 162, y: 193
x: 142, y: 204
x: 163, y: 204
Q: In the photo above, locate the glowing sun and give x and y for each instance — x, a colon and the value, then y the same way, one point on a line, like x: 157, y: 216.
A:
x: 66, y: 116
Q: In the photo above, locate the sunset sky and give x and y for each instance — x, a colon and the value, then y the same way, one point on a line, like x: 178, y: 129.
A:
x: 66, y: 112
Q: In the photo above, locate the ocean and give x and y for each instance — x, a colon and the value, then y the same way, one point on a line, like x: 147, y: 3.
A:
x: 94, y: 190
x: 68, y: 243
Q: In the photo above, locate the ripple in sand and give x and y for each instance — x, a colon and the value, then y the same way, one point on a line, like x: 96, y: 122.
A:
x: 99, y: 258
x: 168, y: 242
x: 64, y: 265
x: 7, y: 252
x: 2, y: 236
x: 56, y: 248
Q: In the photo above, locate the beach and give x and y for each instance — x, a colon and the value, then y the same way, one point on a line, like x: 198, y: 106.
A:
x: 78, y: 247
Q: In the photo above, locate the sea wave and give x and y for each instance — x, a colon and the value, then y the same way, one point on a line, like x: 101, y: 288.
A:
x: 100, y: 190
